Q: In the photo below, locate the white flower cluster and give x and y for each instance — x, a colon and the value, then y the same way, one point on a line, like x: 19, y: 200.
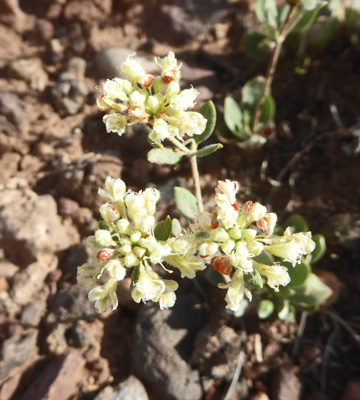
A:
x: 155, y: 101
x: 229, y: 238
x: 237, y: 234
x: 126, y: 241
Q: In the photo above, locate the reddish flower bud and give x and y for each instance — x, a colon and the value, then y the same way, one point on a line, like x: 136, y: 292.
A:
x: 221, y: 264
x: 105, y: 254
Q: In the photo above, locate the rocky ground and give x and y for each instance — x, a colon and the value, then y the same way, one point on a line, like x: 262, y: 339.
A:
x: 55, y: 153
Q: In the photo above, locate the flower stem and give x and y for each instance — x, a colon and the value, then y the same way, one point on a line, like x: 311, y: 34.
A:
x: 194, y: 168
x: 272, y: 67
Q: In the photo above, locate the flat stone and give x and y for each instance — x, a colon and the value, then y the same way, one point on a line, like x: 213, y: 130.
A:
x: 164, y: 342
x: 130, y: 389
x: 33, y: 312
x: 7, y: 269
x: 30, y: 226
x: 59, y: 379
x: 28, y: 282
x: 286, y: 385
x: 15, y: 351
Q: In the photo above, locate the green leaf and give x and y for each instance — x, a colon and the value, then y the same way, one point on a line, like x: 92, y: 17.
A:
x: 323, y: 31
x: 251, y: 46
x: 265, y: 308
x: 268, y: 110
x: 213, y: 276
x: 103, y: 225
x: 232, y: 115
x: 297, y: 223
x: 186, y: 202
x: 306, y: 20
x: 312, y: 293
x: 175, y: 227
x: 254, y: 279
x: 264, y: 258
x: 266, y: 11
x: 320, y: 249
x: 298, y: 274
x: 251, y: 94
x: 165, y: 155
x: 312, y: 4
x: 225, y: 132
x: 283, y: 11
x: 211, y: 148
x: 208, y: 111
x: 163, y: 229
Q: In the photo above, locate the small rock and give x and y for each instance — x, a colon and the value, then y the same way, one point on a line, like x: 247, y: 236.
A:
x: 15, y: 351
x: 352, y: 390
x: 9, y: 387
x: 186, y: 19
x: 9, y: 163
x: 78, y: 336
x: 28, y: 282
x: 24, y: 68
x: 56, y: 340
x: 260, y: 396
x: 33, y: 313
x: 87, y: 11
x: 11, y: 13
x: 345, y: 230
x: 8, y: 269
x: 59, y: 379
x: 130, y: 389
x: 72, y: 304
x: 29, y: 226
x: 68, y: 207
x: 217, y: 349
x: 55, y: 52
x: 164, y: 342
x: 77, y: 66
x: 44, y: 29
x: 69, y: 94
x: 14, y: 108
x: 286, y: 385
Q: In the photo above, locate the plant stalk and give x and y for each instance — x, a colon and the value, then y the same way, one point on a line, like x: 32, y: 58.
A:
x: 194, y: 168
x: 272, y: 67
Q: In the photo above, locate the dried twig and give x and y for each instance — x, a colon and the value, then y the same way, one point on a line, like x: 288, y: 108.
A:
x: 236, y: 376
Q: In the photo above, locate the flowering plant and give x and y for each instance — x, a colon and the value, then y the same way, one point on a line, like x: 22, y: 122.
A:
x: 230, y: 238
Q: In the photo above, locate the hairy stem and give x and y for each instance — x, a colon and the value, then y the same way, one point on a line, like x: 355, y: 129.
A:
x: 194, y: 168
x: 272, y: 67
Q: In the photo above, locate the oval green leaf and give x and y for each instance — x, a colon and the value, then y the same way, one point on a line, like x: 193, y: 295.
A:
x: 208, y: 111
x: 186, y: 202
x: 232, y: 115
x: 211, y: 148
x: 320, y: 248
x: 252, y: 48
x: 297, y: 223
x: 163, y: 229
x: 166, y: 155
x: 176, y: 227
x: 265, y: 308
x: 298, y: 274
x: 254, y: 279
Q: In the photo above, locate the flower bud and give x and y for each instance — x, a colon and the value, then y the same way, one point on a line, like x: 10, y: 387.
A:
x: 135, y: 237
x: 123, y: 226
x: 219, y: 235
x: 116, y: 269
x: 147, y: 223
x: 255, y: 248
x: 131, y: 260
x: 151, y: 197
x: 137, y: 99
x: 228, y: 246
x: 255, y: 211
x: 114, y: 89
x: 109, y: 213
x: 160, y: 131
x: 249, y: 234
x: 152, y: 104
x: 139, y: 252
x: 241, y: 220
x: 103, y: 238
x: 235, y: 233
x: 114, y: 122
x: 172, y: 90
x: 132, y: 68
x: 125, y: 249
x: 158, y: 84
x: 207, y: 249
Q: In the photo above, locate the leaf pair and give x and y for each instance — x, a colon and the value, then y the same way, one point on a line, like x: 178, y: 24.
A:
x: 239, y: 118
